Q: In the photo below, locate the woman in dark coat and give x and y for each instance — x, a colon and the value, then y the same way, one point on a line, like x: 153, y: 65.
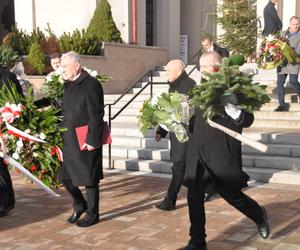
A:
x: 216, y: 156
x: 82, y: 105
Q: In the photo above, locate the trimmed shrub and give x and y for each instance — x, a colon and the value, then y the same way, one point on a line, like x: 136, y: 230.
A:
x: 36, y: 58
x: 102, y: 25
x: 79, y: 43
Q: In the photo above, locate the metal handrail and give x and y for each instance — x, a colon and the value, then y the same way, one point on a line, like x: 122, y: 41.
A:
x: 110, y: 117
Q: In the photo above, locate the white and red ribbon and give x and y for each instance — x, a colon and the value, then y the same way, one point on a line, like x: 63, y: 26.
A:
x: 10, y: 111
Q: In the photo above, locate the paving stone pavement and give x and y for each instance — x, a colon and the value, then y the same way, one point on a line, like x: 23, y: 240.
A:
x: 128, y: 220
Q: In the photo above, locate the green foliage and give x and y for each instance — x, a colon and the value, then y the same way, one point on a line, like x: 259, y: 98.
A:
x: 171, y: 110
x: 39, y: 158
x: 228, y: 83
x: 239, y: 22
x: 37, y: 36
x: 36, y: 58
x: 79, y: 42
x: 54, y: 87
x: 146, y: 118
x: 18, y: 40
x: 102, y: 25
x: 8, y: 56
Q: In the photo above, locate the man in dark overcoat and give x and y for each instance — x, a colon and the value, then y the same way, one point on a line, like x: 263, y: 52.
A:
x: 272, y: 21
x: 180, y: 82
x: 82, y: 105
x: 214, y: 154
x: 7, y: 197
x: 208, y: 45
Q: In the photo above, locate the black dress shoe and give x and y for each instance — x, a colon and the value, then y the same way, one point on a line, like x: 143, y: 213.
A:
x: 4, y: 210
x: 207, y: 197
x: 75, y: 216
x: 88, y: 221
x: 281, y: 108
x: 165, y: 206
x: 264, y: 228
x: 193, y: 247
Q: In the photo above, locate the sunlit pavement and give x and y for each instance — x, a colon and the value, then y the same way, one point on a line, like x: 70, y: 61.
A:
x: 129, y: 221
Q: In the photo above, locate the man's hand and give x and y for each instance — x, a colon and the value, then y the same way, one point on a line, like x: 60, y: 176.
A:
x: 88, y: 147
x: 157, y: 137
x: 233, y: 111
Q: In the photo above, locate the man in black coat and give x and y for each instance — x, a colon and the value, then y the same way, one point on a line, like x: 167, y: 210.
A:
x: 272, y: 21
x: 82, y: 105
x: 209, y: 45
x: 7, y: 197
x: 180, y: 82
x: 214, y: 154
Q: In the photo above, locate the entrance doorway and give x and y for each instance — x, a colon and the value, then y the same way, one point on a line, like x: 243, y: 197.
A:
x: 7, y: 17
x: 150, y: 22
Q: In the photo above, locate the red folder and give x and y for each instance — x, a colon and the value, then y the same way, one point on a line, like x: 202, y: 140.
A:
x: 81, y: 133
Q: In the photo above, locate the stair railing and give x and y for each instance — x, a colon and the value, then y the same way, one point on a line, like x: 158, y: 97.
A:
x: 148, y: 73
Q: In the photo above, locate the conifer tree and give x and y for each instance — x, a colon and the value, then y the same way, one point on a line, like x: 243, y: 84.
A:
x: 36, y: 58
x: 102, y: 25
x: 239, y: 22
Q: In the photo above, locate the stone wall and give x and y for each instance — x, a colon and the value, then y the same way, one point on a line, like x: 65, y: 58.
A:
x: 124, y: 63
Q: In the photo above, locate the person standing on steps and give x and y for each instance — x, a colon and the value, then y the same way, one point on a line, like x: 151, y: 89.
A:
x: 292, y: 36
x: 180, y: 82
x: 272, y: 21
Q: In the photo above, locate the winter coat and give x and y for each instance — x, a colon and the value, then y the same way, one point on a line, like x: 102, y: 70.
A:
x: 183, y: 84
x: 82, y: 105
x: 218, y: 154
x: 293, y: 41
x: 272, y: 21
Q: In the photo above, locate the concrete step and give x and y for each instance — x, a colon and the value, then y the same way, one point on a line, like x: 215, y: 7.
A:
x: 259, y: 174
x: 140, y: 142
x: 274, y: 150
x: 127, y: 97
x: 274, y: 175
x: 273, y: 105
x: 287, y: 151
x: 274, y: 162
x: 276, y: 123
x: 143, y: 165
x: 157, y: 89
x: 289, y: 97
x: 271, y: 115
x: 138, y: 153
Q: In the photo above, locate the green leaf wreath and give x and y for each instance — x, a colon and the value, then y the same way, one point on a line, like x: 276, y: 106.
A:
x: 54, y: 86
x: 228, y: 85
x: 170, y: 110
x: 39, y: 158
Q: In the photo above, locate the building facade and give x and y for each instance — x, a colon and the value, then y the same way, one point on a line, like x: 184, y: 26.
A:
x: 173, y: 24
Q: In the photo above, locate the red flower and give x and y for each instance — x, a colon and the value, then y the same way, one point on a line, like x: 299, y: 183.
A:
x: 43, y: 172
x: 53, y: 151
x: 33, y: 168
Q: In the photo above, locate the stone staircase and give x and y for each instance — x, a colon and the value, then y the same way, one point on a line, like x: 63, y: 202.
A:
x: 279, y: 130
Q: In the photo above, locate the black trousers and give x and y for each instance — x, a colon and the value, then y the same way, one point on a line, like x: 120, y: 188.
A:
x: 237, y: 199
x: 176, y: 181
x: 79, y: 202
x: 7, y: 196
